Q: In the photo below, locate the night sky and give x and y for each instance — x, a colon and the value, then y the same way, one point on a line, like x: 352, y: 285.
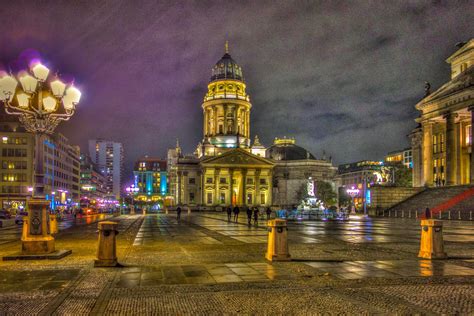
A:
x: 339, y: 76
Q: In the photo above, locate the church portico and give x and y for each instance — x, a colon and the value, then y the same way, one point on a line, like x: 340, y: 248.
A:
x: 443, y: 141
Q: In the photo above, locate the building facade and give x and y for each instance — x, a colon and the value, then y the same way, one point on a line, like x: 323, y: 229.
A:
x: 294, y: 166
x: 93, y: 182
x: 226, y: 168
x: 108, y: 156
x: 61, y: 167
x: 442, y: 142
x: 404, y: 157
x: 151, y: 179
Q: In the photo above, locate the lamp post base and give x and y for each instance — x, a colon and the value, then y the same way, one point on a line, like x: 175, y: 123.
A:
x: 36, y: 237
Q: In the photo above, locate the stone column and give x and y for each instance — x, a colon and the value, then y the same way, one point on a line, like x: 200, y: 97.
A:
x: 204, y: 128
x: 216, y: 128
x: 216, y: 185
x: 236, y: 119
x: 185, y: 188
x: 257, y: 187
x: 231, y: 185
x: 471, y: 168
x: 427, y: 153
x: 244, y: 186
x: 225, y: 118
x: 178, y: 194
x: 450, y: 148
x: 248, y: 124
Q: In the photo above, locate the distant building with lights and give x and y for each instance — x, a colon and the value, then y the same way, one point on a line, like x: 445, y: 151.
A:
x: 442, y: 142
x: 403, y: 157
x: 61, y: 167
x: 108, y: 156
x: 93, y: 182
x: 226, y: 168
x: 151, y: 178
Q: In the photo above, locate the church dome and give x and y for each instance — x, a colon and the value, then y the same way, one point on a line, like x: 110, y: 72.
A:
x: 226, y: 68
x: 286, y: 149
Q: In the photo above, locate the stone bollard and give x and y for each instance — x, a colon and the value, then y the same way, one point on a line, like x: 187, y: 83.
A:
x: 431, y: 244
x: 53, y: 224
x: 107, y: 249
x: 277, y: 241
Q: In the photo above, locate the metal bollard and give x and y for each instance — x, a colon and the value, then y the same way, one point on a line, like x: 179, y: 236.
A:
x: 389, y: 213
x: 403, y: 213
x: 440, y: 216
x: 107, y: 249
x: 431, y: 242
x: 449, y: 214
x: 470, y: 215
x: 277, y: 249
x: 409, y: 214
x: 459, y: 215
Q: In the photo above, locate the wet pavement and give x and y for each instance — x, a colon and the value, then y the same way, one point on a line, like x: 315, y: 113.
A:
x: 205, y: 265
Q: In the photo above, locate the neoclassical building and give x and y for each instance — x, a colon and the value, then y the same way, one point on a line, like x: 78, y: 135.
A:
x: 226, y: 168
x: 442, y: 144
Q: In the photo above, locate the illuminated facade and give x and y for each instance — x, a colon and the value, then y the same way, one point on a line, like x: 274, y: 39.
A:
x: 61, y: 167
x: 294, y: 166
x: 93, y: 182
x: 108, y: 156
x: 403, y: 157
x: 151, y: 178
x: 442, y: 143
x: 226, y: 168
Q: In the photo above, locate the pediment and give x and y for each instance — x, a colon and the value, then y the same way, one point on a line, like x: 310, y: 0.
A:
x: 237, y: 157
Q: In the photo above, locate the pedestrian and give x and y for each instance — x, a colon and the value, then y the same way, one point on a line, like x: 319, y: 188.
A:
x: 178, y: 213
x: 236, y: 213
x: 255, y: 215
x: 249, y: 216
x: 229, y: 213
x: 269, y: 212
x: 427, y: 213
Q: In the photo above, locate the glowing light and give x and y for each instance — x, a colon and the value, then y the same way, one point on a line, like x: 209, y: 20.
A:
x: 40, y: 72
x: 58, y: 88
x: 23, y: 100
x: 49, y: 104
x: 7, y: 87
x: 28, y: 83
x: 71, y: 98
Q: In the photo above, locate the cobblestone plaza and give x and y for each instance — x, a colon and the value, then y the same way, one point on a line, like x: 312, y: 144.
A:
x: 206, y: 265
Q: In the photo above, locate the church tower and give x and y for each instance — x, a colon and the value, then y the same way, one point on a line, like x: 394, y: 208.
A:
x: 226, y: 108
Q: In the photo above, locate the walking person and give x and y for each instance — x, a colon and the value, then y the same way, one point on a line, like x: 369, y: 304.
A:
x: 178, y: 213
x: 269, y: 213
x: 236, y: 213
x: 255, y: 216
x: 427, y: 213
x: 249, y: 216
x: 229, y: 213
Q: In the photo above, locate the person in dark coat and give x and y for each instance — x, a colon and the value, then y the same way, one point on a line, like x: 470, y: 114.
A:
x: 427, y: 213
x: 178, y: 213
x: 269, y: 213
x: 249, y: 215
x: 236, y: 213
x: 255, y: 215
x: 229, y: 213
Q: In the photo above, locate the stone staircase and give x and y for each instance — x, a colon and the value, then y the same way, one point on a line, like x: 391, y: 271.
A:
x: 456, y: 202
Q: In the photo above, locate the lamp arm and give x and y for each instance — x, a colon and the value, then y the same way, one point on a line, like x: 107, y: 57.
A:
x: 10, y: 109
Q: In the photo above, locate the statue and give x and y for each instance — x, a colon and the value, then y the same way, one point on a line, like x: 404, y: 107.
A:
x: 427, y: 89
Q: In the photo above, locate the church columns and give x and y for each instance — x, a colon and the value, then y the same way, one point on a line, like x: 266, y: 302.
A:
x: 257, y: 187
x: 231, y: 185
x: 244, y: 186
x: 214, y: 109
x: 216, y: 186
x: 225, y: 118
x: 471, y: 169
x: 179, y: 193
x: 427, y: 153
x: 247, y: 125
x: 450, y: 148
x: 185, y: 187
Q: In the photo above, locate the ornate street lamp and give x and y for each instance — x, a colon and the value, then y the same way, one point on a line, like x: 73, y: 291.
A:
x: 40, y: 105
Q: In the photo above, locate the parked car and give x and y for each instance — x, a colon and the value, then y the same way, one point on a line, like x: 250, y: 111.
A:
x: 19, y: 217
x: 5, y: 214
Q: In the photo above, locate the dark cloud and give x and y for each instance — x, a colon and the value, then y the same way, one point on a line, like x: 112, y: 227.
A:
x: 339, y: 76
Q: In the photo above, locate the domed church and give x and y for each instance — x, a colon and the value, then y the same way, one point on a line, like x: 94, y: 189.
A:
x: 226, y: 169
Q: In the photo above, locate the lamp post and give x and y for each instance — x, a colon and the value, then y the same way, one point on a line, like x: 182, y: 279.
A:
x: 353, y: 192
x: 132, y: 190
x: 37, y: 103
